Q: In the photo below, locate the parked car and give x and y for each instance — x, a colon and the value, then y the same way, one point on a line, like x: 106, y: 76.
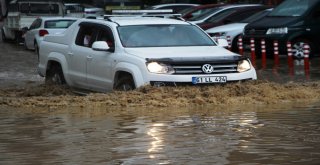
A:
x: 43, y: 26
x: 22, y: 13
x: 297, y: 21
x: 176, y: 7
x: 234, y: 30
x: 74, y: 10
x: 226, y: 14
x: 124, y: 53
x: 93, y: 12
x: 194, y: 11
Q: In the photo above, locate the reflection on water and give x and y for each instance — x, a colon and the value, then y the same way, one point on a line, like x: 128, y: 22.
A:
x: 281, y: 134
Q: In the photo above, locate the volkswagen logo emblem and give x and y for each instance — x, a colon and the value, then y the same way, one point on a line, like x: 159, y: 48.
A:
x: 207, y: 68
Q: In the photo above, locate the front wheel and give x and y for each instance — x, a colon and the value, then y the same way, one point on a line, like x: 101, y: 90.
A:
x: 55, y: 76
x: 297, y: 48
x: 125, y: 83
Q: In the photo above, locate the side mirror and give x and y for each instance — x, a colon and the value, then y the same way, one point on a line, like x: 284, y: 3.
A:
x: 222, y: 42
x: 100, y: 46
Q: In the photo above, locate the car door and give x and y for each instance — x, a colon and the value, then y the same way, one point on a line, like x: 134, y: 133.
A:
x: 79, y: 53
x: 30, y: 34
x: 100, y: 63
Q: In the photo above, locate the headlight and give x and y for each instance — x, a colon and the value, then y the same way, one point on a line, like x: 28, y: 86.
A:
x: 218, y: 34
x: 155, y: 67
x: 243, y: 66
x: 283, y: 30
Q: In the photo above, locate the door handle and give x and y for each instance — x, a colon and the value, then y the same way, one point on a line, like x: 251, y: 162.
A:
x: 70, y: 53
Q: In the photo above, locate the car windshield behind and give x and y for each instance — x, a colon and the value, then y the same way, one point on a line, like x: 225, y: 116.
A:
x: 204, y: 14
x: 292, y: 8
x: 163, y: 36
x: 256, y: 16
x: 58, y: 24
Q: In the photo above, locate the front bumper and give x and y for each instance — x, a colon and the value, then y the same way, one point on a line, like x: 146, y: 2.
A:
x: 163, y: 79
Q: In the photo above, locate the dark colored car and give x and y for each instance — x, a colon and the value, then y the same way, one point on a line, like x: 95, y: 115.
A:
x: 226, y: 14
x: 297, y: 21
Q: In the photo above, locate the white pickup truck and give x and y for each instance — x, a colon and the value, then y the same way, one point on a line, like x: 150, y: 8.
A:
x: 124, y: 53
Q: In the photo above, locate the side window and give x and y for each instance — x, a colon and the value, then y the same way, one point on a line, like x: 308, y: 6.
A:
x: 86, y: 35
x: 105, y: 34
x: 36, y: 24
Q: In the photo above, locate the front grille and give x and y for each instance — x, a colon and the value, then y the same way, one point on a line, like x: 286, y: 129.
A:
x: 197, y: 69
x: 255, y: 32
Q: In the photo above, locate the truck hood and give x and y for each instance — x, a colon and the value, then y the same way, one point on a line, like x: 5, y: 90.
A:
x: 271, y: 21
x: 227, y: 28
x: 179, y: 52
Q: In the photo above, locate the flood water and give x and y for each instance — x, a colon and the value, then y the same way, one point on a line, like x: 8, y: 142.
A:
x: 282, y: 134
x: 228, y: 134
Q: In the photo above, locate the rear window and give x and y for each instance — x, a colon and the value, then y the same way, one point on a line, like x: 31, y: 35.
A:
x: 58, y: 24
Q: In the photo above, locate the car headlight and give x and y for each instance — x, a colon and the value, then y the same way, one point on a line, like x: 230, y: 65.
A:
x: 218, y: 35
x: 283, y: 30
x: 243, y: 66
x: 155, y: 67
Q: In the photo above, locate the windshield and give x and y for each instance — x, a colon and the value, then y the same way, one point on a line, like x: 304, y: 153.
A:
x: 203, y: 14
x: 256, y: 16
x: 292, y: 8
x: 74, y: 8
x: 163, y: 36
x: 35, y: 8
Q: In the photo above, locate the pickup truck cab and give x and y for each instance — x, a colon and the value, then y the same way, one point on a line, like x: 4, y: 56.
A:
x: 127, y: 52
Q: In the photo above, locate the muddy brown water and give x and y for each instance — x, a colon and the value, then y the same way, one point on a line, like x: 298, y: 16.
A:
x: 274, y: 120
x: 276, y: 134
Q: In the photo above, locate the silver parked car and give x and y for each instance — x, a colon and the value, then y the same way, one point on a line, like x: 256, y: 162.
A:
x: 43, y: 26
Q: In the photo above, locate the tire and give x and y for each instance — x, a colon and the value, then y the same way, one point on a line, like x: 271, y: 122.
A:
x: 36, y: 49
x: 297, y: 48
x: 4, y: 39
x: 234, y: 44
x: 55, y: 76
x: 125, y: 83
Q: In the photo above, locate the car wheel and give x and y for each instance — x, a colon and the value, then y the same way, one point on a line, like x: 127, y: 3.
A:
x: 36, y: 49
x: 25, y: 45
x: 125, y: 83
x: 4, y: 39
x: 297, y: 48
x: 55, y: 76
x: 234, y: 45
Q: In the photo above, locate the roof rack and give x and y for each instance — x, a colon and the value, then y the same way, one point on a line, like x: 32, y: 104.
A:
x: 167, y: 13
x: 142, y: 12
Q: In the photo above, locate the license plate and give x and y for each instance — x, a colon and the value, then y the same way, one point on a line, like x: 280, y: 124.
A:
x: 209, y: 79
